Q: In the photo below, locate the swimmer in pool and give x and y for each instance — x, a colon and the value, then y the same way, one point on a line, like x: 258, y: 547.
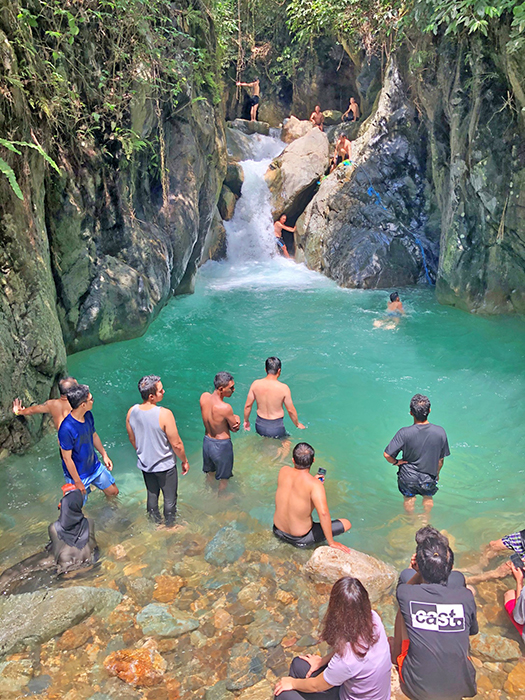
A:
x: 72, y: 546
x: 218, y: 418
x: 271, y: 396
x: 394, y: 312
x: 298, y: 493
x: 278, y: 227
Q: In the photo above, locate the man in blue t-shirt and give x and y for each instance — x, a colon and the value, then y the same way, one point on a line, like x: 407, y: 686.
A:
x: 78, y: 440
x: 424, y: 447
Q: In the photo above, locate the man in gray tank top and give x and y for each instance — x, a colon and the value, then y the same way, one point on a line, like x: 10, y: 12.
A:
x: 153, y: 433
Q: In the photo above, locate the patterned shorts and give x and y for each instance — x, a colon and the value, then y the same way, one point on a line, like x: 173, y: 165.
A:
x: 515, y: 541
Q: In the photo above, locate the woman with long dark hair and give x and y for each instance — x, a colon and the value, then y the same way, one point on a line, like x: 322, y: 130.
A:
x: 358, y: 666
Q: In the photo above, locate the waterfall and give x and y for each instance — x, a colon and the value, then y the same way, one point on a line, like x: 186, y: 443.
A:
x: 250, y: 234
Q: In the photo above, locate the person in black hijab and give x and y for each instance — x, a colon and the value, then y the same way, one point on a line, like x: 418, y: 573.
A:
x: 72, y: 545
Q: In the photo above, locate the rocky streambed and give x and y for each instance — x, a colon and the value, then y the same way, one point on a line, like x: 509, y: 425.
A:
x: 216, y: 612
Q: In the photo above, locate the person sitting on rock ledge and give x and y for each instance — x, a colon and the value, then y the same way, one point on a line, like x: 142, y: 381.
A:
x: 298, y: 493
x: 352, y: 113
x: 343, y: 151
x: 358, y: 666
x: 317, y: 118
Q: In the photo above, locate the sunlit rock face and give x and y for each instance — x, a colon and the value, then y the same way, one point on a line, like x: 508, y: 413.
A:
x: 370, y: 225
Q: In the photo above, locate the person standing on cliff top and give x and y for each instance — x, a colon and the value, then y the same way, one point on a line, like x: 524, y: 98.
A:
x: 57, y: 408
x: 153, y: 433
x: 424, y: 447
x: 317, y: 118
x: 78, y: 440
x: 271, y: 395
x: 218, y: 418
x: 352, y: 113
x: 254, y: 99
x: 278, y: 227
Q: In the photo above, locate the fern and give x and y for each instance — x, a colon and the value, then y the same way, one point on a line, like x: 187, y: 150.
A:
x: 8, y: 171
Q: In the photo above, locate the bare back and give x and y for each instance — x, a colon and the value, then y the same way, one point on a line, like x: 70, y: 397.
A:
x: 294, y: 501
x: 270, y: 395
x: 59, y: 409
x: 215, y: 416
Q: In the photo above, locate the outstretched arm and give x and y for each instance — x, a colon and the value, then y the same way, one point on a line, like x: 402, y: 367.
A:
x: 19, y: 410
x: 288, y: 403
x: 289, y: 228
x: 246, y: 84
x: 248, y: 408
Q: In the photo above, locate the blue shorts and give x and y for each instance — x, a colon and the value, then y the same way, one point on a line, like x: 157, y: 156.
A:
x: 101, y: 478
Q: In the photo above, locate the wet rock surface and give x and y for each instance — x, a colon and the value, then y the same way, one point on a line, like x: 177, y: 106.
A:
x: 329, y: 565
x: 250, y: 127
x: 369, y: 225
x: 292, y: 177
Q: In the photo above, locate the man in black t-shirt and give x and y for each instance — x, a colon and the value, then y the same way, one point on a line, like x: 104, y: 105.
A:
x: 435, y: 619
x: 424, y: 447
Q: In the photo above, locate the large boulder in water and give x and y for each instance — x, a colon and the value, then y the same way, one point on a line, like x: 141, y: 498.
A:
x: 327, y: 565
x: 238, y: 144
x: 292, y: 177
x: 294, y: 128
x: 234, y: 178
x: 32, y: 618
x: 250, y: 127
x: 368, y: 225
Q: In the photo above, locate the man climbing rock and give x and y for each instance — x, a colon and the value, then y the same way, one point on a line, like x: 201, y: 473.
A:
x: 57, y: 408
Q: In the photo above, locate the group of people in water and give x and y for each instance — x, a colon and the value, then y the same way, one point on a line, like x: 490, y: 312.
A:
x: 437, y: 611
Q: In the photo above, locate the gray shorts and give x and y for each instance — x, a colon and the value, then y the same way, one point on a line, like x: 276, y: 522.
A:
x: 273, y: 428
x: 314, y: 536
x: 217, y: 456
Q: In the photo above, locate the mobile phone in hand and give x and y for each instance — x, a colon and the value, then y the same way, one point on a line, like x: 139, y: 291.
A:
x: 321, y: 474
x: 517, y: 561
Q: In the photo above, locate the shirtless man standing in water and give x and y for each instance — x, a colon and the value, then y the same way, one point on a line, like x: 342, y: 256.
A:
x: 57, y: 408
x: 278, y: 227
x: 298, y: 493
x: 218, y: 418
x: 271, y: 395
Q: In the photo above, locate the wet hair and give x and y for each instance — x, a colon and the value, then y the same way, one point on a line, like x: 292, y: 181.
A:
x: 348, y: 619
x: 77, y: 394
x: 272, y: 365
x: 282, y: 216
x: 434, y: 560
x: 222, y: 379
x: 394, y: 296
x: 428, y: 532
x: 303, y: 455
x: 420, y: 407
x: 148, y: 386
x: 65, y: 384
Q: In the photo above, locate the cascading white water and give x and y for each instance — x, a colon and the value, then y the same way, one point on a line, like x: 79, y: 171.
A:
x: 252, y: 257
x: 250, y: 234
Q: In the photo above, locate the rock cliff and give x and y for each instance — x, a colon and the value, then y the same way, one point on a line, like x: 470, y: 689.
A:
x: 91, y: 255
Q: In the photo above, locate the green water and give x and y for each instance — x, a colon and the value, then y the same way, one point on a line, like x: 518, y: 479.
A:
x: 351, y: 384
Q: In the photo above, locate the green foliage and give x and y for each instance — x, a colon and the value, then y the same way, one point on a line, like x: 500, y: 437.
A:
x: 8, y: 171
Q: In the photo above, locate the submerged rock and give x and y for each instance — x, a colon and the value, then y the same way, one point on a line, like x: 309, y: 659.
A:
x: 292, y: 177
x: 218, y: 691
x: 246, y: 666
x: 294, y: 128
x: 264, y: 631
x: 143, y: 667
x: 225, y: 548
x: 156, y: 619
x: 327, y: 565
x: 490, y: 647
x: 250, y: 127
x: 32, y: 618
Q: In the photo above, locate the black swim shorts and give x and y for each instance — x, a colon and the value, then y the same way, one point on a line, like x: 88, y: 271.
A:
x: 412, y: 482
x: 217, y: 456
x: 270, y: 428
x: 314, y: 536
x: 255, y: 100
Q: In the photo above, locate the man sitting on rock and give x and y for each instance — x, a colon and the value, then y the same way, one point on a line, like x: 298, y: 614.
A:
x: 298, y: 493
x: 352, y: 113
x: 343, y: 151
x: 433, y: 625
x: 317, y: 118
